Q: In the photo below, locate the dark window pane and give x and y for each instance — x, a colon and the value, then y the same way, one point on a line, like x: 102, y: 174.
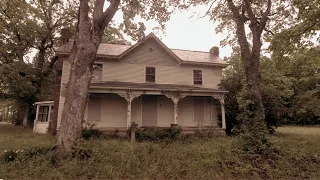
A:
x: 150, y: 78
x: 150, y: 74
x: 150, y: 70
x: 197, y: 77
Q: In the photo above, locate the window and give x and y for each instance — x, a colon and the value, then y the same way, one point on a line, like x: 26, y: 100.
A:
x: 43, y: 113
x: 197, y: 77
x: 150, y: 74
x: 97, y: 72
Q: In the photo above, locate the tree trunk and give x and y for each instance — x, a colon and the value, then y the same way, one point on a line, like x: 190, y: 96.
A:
x: 56, y: 98
x: 82, y: 57
x: 252, y: 115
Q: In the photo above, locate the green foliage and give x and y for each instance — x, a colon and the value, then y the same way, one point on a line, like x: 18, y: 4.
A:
x: 157, y: 134
x: 10, y: 155
x: 290, y: 93
x: 216, y: 158
x: 90, y: 131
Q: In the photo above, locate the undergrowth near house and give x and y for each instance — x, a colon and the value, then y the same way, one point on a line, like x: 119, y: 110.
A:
x: 292, y: 157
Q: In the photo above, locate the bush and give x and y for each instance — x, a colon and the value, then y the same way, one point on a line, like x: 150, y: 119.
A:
x: 9, y: 156
x: 90, y: 132
x: 157, y: 134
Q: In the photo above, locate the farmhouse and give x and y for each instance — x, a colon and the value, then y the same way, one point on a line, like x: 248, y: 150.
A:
x: 148, y: 84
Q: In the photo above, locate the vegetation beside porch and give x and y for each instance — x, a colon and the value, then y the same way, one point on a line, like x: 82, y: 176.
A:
x: 295, y: 156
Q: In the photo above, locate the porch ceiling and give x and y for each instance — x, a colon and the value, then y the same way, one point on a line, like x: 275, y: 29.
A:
x: 152, y: 86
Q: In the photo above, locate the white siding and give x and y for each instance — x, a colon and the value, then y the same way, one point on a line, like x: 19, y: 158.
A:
x: 165, y: 112
x: 136, y: 113
x: 113, y: 111
x: 185, y: 113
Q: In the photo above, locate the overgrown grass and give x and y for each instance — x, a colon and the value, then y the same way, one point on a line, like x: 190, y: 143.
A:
x: 293, y: 157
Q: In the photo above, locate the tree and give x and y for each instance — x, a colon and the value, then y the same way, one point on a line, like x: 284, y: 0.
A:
x: 30, y: 26
x: 90, y: 29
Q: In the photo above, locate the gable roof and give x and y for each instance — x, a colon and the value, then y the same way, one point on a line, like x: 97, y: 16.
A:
x: 118, y: 51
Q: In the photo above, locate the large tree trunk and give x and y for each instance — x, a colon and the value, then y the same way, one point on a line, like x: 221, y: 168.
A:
x: 82, y: 57
x: 252, y: 116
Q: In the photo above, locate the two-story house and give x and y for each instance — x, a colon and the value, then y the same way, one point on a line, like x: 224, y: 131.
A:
x: 152, y: 85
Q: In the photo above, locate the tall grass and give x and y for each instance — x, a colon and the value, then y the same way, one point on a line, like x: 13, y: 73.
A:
x: 293, y: 157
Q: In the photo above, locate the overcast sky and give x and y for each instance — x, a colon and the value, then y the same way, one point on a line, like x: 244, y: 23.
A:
x: 183, y: 32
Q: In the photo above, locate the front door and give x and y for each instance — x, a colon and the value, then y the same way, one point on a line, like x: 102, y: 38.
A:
x: 149, y: 110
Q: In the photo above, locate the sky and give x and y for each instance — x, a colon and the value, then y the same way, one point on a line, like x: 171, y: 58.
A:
x: 183, y: 32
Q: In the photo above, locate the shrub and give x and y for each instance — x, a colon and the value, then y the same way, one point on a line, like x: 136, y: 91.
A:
x: 36, y: 151
x: 157, y: 134
x: 90, y: 132
x: 10, y: 155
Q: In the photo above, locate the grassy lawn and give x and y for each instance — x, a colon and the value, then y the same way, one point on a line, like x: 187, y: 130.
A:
x: 295, y: 155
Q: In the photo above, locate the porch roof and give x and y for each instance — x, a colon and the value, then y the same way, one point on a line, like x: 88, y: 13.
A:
x: 153, y: 86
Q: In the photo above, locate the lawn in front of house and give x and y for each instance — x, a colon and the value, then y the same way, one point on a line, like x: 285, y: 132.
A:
x: 293, y: 156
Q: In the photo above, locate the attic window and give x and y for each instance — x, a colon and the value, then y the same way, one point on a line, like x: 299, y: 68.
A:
x: 150, y: 74
x: 150, y: 49
x: 197, y: 77
x: 97, y: 72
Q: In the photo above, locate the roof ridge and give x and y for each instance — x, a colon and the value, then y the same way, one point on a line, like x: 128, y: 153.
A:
x: 169, y: 48
x: 189, y: 50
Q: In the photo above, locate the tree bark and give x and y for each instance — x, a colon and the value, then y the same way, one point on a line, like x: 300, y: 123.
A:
x: 82, y: 56
x: 251, y: 57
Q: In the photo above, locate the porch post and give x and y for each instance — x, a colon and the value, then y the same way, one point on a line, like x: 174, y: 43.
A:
x: 223, y: 114
x: 129, y: 98
x: 36, y: 120
x: 175, y: 98
x: 175, y: 110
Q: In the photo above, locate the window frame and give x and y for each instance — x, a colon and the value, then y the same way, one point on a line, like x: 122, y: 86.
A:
x: 146, y: 74
x: 41, y: 113
x: 194, y: 78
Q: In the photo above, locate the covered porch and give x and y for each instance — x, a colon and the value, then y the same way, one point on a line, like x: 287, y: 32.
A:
x: 115, y: 105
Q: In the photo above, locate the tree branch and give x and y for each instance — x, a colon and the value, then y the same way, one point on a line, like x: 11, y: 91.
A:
x: 109, y: 13
x: 248, y: 9
x: 265, y: 15
x: 208, y: 11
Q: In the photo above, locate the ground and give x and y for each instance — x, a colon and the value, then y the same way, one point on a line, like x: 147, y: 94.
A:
x: 295, y: 155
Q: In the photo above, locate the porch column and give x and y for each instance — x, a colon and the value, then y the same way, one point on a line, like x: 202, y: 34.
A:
x: 175, y: 110
x: 36, y: 120
x: 223, y: 114
x: 129, y: 98
x: 175, y: 99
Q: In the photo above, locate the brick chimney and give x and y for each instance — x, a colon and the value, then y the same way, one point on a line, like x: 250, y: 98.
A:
x: 214, y: 51
x: 65, y: 35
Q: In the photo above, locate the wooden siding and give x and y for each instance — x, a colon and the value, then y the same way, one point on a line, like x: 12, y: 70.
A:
x: 198, y: 109
x: 94, y: 108
x: 185, y: 112
x: 136, y: 112
x: 113, y: 111
x: 149, y: 110
x: 150, y: 53
x: 165, y: 112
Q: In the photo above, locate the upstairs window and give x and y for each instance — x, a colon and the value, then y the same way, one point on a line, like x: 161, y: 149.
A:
x: 197, y: 77
x: 150, y: 74
x: 97, y: 72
